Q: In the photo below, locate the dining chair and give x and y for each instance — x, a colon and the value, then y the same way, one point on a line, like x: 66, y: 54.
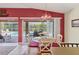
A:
x: 45, y: 46
x: 59, y: 39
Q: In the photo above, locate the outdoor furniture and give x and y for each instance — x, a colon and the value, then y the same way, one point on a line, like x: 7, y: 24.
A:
x: 7, y: 36
x: 2, y: 38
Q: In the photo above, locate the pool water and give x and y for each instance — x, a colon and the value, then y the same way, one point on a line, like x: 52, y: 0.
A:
x: 16, y: 33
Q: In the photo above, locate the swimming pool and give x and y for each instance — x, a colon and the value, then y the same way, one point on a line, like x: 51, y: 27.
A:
x: 16, y: 33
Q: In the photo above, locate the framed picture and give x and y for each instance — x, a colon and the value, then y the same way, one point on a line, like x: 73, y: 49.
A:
x: 75, y: 23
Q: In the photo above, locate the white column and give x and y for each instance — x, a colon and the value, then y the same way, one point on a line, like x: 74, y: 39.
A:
x: 56, y: 27
x: 48, y: 27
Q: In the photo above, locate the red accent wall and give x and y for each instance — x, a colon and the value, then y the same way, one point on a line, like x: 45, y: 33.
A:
x: 30, y: 12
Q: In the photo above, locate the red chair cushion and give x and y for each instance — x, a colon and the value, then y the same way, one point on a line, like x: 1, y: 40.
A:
x: 55, y: 45
x: 34, y: 44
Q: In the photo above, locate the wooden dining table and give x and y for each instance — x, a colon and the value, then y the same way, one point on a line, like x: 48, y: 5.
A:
x: 65, y: 51
x: 57, y: 51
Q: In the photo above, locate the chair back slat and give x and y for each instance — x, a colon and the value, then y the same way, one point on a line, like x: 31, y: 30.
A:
x: 69, y: 44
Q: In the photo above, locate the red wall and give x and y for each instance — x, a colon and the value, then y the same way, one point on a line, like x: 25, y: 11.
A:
x: 30, y: 12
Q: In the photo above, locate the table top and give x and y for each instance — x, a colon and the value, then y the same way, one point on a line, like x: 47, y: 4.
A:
x: 65, y: 51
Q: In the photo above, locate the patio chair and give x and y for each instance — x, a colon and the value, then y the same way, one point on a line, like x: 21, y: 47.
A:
x: 7, y: 34
x: 2, y: 38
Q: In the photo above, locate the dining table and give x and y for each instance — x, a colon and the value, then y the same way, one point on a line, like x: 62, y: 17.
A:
x: 65, y: 51
x: 57, y: 51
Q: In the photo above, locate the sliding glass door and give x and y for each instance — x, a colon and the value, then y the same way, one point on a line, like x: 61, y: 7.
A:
x: 8, y: 32
x: 40, y: 29
x: 53, y: 28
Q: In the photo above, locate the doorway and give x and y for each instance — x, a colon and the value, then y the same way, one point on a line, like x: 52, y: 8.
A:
x: 8, y: 30
x: 50, y: 28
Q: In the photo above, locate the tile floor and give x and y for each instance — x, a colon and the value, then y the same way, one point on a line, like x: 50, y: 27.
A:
x: 18, y: 50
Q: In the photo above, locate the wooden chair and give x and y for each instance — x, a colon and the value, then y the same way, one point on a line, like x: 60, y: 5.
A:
x: 45, y: 46
x: 59, y: 39
x: 56, y: 43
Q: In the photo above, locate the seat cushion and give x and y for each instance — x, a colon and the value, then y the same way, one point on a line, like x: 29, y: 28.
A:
x: 34, y: 44
x: 55, y: 45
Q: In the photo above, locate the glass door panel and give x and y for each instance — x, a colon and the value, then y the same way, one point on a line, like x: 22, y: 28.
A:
x: 8, y: 32
x: 41, y: 29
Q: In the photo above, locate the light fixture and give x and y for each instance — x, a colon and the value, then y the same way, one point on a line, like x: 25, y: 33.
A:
x: 46, y: 15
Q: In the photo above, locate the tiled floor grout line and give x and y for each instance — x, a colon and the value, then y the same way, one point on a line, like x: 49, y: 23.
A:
x: 12, y: 50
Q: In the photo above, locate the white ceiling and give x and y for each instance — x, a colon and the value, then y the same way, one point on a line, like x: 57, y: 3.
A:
x: 57, y: 7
